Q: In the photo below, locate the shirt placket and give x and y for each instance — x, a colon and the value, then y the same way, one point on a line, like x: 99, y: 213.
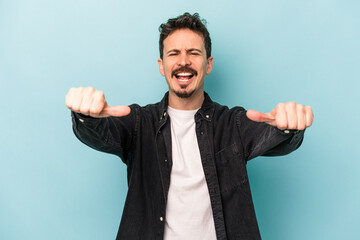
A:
x: 163, y: 144
x: 203, y: 131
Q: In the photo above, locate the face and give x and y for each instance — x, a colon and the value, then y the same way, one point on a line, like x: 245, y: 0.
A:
x: 184, y: 63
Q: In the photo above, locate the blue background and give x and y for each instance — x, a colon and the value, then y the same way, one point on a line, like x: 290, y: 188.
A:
x: 265, y: 52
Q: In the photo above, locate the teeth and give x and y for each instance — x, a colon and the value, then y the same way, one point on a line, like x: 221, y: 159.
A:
x: 184, y: 74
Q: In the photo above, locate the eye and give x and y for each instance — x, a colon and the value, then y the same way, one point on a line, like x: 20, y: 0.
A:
x: 194, y: 53
x: 173, y: 54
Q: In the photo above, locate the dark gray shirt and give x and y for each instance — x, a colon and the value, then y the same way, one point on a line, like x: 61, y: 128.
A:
x: 227, y: 140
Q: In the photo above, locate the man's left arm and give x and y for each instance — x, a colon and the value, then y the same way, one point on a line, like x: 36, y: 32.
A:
x: 276, y: 133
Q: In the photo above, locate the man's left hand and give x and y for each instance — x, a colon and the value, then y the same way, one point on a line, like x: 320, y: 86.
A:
x: 285, y: 116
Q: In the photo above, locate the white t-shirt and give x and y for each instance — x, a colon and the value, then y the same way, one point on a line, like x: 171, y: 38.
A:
x: 188, y: 210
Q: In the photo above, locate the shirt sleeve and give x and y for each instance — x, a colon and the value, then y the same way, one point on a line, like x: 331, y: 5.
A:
x: 261, y: 139
x: 111, y: 135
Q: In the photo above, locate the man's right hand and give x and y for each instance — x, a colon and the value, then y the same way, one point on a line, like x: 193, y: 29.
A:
x: 91, y: 102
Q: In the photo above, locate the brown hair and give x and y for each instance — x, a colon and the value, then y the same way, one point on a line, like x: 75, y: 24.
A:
x: 192, y: 22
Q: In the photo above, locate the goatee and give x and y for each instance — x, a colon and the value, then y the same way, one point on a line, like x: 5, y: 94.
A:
x: 184, y: 94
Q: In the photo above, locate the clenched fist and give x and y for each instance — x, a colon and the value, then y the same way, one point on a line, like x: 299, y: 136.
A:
x: 91, y: 102
x: 285, y: 116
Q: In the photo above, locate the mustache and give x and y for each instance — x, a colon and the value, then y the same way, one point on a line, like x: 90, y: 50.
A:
x: 184, y: 69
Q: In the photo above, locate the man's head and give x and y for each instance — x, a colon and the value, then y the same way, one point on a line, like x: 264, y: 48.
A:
x: 185, y: 54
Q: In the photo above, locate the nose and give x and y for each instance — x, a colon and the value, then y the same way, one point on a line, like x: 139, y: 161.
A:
x: 184, y: 60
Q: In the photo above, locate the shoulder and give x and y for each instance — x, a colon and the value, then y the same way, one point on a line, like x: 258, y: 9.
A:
x: 150, y: 111
x: 223, y: 110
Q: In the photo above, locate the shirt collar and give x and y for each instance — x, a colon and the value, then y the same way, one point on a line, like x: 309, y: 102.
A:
x: 205, y: 112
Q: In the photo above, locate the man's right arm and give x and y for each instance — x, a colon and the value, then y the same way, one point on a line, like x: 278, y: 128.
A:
x: 104, y: 128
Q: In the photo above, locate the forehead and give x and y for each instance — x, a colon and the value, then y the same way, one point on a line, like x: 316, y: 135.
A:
x: 184, y: 38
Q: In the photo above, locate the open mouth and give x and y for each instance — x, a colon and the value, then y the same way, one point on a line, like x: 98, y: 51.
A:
x: 184, y: 76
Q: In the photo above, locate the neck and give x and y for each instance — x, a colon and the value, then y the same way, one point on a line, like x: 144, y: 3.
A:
x: 193, y: 102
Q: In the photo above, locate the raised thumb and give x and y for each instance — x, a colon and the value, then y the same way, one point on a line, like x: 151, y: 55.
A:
x: 258, y: 116
x: 117, y: 111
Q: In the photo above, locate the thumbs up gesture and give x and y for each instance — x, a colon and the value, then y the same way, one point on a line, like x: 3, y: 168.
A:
x: 91, y: 102
x: 285, y: 116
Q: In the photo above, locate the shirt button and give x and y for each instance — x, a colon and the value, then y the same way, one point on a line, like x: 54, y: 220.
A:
x: 207, y: 116
x: 165, y: 160
x: 81, y: 120
x: 286, y: 131
x: 161, y: 219
x: 201, y: 133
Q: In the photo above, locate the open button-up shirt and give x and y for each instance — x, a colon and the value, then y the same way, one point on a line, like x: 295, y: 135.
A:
x: 227, y: 140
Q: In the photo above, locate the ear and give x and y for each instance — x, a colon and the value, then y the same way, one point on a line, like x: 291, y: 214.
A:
x: 161, y: 66
x: 209, y: 65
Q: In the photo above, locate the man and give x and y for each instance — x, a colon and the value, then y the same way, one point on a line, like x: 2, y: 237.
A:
x: 186, y: 155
